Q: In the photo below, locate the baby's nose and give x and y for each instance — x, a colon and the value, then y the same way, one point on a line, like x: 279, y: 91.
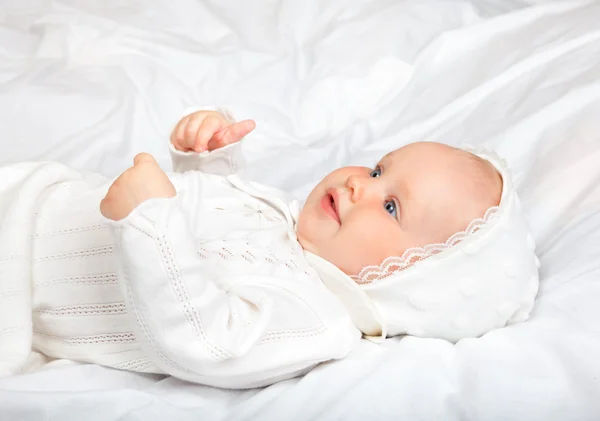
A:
x: 355, y: 184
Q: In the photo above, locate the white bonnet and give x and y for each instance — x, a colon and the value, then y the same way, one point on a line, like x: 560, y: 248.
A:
x: 481, y: 279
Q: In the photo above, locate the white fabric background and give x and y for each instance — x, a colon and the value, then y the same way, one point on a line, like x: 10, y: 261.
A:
x: 331, y: 83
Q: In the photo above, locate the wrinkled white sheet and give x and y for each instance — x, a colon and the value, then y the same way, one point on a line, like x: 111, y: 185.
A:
x: 330, y: 83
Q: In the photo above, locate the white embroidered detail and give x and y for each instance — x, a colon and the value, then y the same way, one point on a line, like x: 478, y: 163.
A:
x: 97, y: 227
x: 108, y: 338
x: 85, y: 310
x: 275, y: 254
x: 291, y: 334
x: 395, y: 264
x: 100, y: 279
x: 256, y: 213
x: 141, y: 364
x: 98, y: 251
x: 175, y: 279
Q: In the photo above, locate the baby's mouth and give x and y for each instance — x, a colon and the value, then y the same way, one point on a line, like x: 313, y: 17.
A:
x: 329, y: 205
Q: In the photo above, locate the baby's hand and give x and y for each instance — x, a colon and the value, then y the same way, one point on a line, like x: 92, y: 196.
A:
x: 145, y: 180
x: 208, y: 130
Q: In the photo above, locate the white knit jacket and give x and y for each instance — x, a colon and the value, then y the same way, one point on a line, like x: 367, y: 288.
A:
x: 210, y: 286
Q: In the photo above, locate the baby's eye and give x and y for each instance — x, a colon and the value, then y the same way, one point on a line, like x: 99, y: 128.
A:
x: 375, y: 173
x: 390, y: 207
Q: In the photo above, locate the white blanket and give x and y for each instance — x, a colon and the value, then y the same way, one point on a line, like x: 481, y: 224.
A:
x: 332, y: 83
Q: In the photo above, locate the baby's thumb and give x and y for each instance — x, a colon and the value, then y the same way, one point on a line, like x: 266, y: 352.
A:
x: 143, y: 158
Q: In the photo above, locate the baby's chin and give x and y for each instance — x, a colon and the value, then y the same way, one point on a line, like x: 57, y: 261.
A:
x: 303, y: 242
x: 301, y: 232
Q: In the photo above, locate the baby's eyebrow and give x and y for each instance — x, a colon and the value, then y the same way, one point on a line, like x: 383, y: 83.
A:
x: 386, y: 157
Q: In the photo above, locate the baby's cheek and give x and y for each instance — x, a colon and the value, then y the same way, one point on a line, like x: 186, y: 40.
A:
x: 366, y: 246
x: 388, y: 239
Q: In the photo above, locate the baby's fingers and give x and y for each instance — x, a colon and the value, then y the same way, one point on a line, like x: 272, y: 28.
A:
x: 190, y: 131
x: 231, y: 134
x: 210, y: 126
x: 178, y: 135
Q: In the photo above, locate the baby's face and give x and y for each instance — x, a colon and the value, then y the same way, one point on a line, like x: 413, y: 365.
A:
x: 417, y: 195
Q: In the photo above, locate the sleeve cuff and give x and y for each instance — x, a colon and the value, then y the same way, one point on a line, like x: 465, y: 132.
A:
x: 150, y: 213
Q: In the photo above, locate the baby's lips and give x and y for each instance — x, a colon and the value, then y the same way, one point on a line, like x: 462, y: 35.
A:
x: 336, y: 201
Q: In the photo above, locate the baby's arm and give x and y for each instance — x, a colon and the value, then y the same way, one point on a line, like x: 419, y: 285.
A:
x: 245, y: 331
x: 208, y: 141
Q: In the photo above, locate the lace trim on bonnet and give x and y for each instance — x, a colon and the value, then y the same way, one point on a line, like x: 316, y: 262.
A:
x: 394, y: 264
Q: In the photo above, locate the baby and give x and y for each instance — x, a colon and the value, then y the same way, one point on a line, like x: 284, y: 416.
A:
x: 216, y: 280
